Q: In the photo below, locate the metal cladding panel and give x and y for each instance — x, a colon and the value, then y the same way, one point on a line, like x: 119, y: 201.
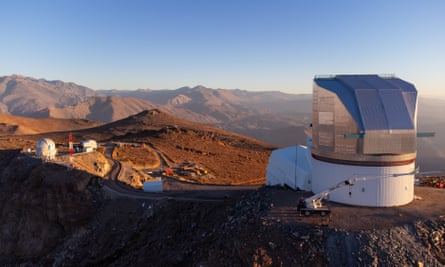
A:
x: 396, y: 110
x: 380, y: 143
x: 366, y: 81
x: 403, y: 85
x: 384, y: 109
x: 381, y: 108
x: 381, y: 189
x: 345, y: 95
x: 356, y: 81
x: 331, y: 120
x: 344, y: 124
x: 398, y: 142
x: 371, y: 109
x: 323, y: 119
x: 411, y: 104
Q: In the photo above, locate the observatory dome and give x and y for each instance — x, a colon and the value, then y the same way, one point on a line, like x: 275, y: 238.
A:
x: 363, y: 130
x: 364, y: 125
x: 46, y: 148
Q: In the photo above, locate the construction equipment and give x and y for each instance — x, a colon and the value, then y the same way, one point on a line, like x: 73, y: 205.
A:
x: 314, y: 204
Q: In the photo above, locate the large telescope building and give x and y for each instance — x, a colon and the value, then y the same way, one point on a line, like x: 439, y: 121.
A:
x: 364, y: 127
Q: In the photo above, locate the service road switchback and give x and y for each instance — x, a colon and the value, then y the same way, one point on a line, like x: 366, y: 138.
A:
x: 173, y: 189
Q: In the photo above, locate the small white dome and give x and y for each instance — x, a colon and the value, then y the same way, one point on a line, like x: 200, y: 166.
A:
x: 46, y: 148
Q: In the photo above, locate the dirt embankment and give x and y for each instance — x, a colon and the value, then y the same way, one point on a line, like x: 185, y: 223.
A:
x: 140, y: 157
x: 94, y: 163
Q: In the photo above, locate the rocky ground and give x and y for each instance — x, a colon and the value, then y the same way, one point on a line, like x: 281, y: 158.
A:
x: 54, y: 217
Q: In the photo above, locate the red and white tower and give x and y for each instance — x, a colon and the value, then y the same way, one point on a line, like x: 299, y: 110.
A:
x: 70, y: 145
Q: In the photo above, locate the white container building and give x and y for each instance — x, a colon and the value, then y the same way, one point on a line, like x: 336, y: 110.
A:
x: 88, y: 145
x: 153, y: 186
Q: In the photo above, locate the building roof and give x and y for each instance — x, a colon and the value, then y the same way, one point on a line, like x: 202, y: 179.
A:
x: 46, y: 143
x: 375, y: 102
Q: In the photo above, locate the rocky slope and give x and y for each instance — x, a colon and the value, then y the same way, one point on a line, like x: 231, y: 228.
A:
x: 51, y: 217
x: 40, y: 204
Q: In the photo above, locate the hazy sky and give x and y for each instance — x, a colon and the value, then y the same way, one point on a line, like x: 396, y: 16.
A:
x: 253, y: 45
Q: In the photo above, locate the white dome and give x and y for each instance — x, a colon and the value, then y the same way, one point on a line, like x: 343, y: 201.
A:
x: 46, y: 148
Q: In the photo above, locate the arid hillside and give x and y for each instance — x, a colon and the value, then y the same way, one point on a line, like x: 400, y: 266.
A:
x: 101, y: 108
x: 16, y: 125
x: 231, y: 158
x: 25, y: 96
x: 269, y: 116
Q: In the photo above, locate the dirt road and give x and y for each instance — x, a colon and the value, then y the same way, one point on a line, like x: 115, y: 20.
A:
x: 173, y: 189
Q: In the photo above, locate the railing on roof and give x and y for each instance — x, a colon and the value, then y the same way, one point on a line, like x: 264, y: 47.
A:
x: 333, y: 76
x: 325, y: 76
x: 387, y: 76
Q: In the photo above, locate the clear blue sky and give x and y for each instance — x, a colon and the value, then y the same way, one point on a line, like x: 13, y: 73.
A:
x: 247, y: 44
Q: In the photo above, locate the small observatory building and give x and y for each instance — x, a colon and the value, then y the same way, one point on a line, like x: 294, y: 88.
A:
x: 88, y: 145
x: 46, y: 149
x: 363, y: 126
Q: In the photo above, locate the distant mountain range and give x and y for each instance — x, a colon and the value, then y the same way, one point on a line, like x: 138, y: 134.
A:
x: 273, y: 117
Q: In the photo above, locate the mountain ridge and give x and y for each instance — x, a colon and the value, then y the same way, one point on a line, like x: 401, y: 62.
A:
x: 233, y: 110
x: 271, y: 116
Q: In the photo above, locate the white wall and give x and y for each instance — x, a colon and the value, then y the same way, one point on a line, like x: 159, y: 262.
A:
x: 380, y: 190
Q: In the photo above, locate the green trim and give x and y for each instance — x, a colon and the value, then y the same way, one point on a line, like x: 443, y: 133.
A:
x: 426, y: 134
x: 354, y: 136
x: 361, y: 135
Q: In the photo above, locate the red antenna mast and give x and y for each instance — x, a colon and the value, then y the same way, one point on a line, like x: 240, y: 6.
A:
x: 70, y: 143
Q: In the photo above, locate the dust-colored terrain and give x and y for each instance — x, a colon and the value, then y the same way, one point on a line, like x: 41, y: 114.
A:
x: 16, y: 125
x: 94, y: 163
x: 139, y: 156
x: 52, y: 215
x: 231, y: 158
